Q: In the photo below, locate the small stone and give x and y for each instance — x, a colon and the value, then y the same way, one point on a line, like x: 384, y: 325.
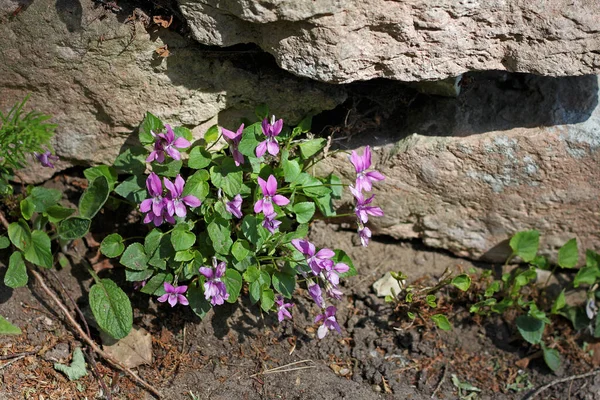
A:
x: 376, y: 388
x: 60, y: 353
x: 48, y: 321
x: 344, y: 372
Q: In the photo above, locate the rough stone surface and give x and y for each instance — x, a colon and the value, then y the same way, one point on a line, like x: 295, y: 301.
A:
x: 519, y: 152
x: 348, y: 40
x: 98, y: 76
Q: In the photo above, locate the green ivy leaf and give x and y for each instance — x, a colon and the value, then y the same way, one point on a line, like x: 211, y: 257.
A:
x: 551, y: 357
x: 586, y: 275
x: 77, y: 368
x: 559, y: 303
x: 182, y: 238
x: 304, y: 211
x: 336, y: 186
x: 431, y: 300
x: 312, y: 187
x: 4, y: 242
x: 58, y: 213
x: 134, y: 257
x: 284, y: 282
x: 592, y: 259
x: 463, y: 282
x: 441, y: 322
x: 254, y: 291
x: 155, y: 285
x: 182, y: 131
x: 150, y: 124
x: 267, y: 299
x: 531, y: 328
x: 16, y: 274
x: 184, y: 255
x: 27, y: 208
x: 40, y: 252
x: 6, y: 328
x: 227, y: 177
x: 250, y: 135
x: 112, y: 246
x: 291, y: 170
x: 20, y: 234
x: 43, y: 198
x: 170, y: 169
x: 525, y: 244
x: 240, y: 249
x: 568, y: 255
x: 196, y: 185
x: 305, y: 124
x: 136, y: 276
x: 212, y: 134
x: 102, y: 170
x: 131, y: 161
x: 341, y: 257
x: 199, y: 158
x: 111, y: 308
x: 133, y: 189
x: 233, y: 284
x: 312, y: 147
x: 251, y: 274
x: 73, y: 227
x: 94, y: 197
x: 251, y: 232
x: 597, y: 326
x: 218, y: 231
x: 198, y: 303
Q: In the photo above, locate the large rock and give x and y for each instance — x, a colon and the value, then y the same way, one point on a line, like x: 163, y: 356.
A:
x: 348, y: 40
x: 97, y: 77
x: 510, y: 153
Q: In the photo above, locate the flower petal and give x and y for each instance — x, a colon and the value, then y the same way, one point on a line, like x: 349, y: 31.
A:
x: 180, y: 209
x: 273, y: 147
x: 181, y: 289
x: 181, y: 143
x: 277, y: 127
x: 146, y: 205
x: 375, y: 176
x: 191, y: 201
x: 271, y: 186
x: 261, y: 149
x: 183, y: 300
x: 171, y: 188
x: 263, y: 186
x: 207, y: 272
x: 325, y: 253
x: 179, y: 183
x: 322, y: 331
x: 163, y: 298
x: 173, y: 300
x: 280, y: 200
x: 258, y: 206
x: 220, y: 270
x: 168, y: 287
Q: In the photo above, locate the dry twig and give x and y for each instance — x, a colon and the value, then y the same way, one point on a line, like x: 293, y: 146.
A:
x: 281, y: 369
x: 562, y: 380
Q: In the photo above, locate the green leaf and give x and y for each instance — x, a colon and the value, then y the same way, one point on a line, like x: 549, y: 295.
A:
x: 218, y: 231
x: 597, y: 326
x: 199, y: 158
x: 136, y: 276
x: 73, y: 227
x: 233, y: 284
x: 198, y: 303
x: 586, y: 275
x: 240, y: 249
x: 77, y: 368
x: 577, y: 316
x: 254, y: 290
x: 150, y: 123
x: 43, y: 198
x: 304, y: 211
x: 341, y: 257
x: 431, y: 300
x: 182, y: 131
x: 441, y: 322
x: 541, y: 262
x: 247, y: 145
x: 284, y: 283
x: 158, y: 248
x: 212, y: 134
x: 111, y: 308
x: 325, y: 204
x: 27, y: 208
x: 530, y: 328
x: 184, y: 255
x: 463, y: 282
x: 182, y: 238
x: 568, y: 255
x: 133, y: 189
x: 112, y: 245
x: 551, y: 357
x: 312, y: 147
x: 336, y: 186
x: 227, y: 177
x: 40, y: 252
x: 16, y: 274
x: 305, y: 124
x: 155, y: 285
x: 267, y: 299
x: 20, y: 234
x: 58, y: 213
x: 262, y: 111
x: 6, y: 328
x: 291, y: 170
x: 312, y: 187
x: 559, y: 303
x: 135, y: 257
x: 132, y: 161
x: 4, y: 242
x: 170, y: 169
x: 250, y: 230
x: 102, y: 170
x: 94, y: 197
x: 592, y: 259
x: 525, y: 244
x: 196, y: 185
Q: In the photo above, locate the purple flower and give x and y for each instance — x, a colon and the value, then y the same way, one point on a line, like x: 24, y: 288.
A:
x: 314, y: 290
x: 365, y: 235
x: 333, y: 292
x: 282, y: 312
x: 235, y: 206
x: 166, y: 143
x: 234, y: 138
x: 362, y: 209
x: 269, y: 188
x: 329, y: 322
x: 46, y: 158
x: 270, y: 223
x: 174, y: 294
x: 331, y: 272
x: 315, y: 261
x: 591, y: 309
x: 271, y: 130
x: 175, y: 203
x: 214, y: 288
x: 139, y: 284
x: 364, y: 179
x: 159, y: 219
x: 155, y: 190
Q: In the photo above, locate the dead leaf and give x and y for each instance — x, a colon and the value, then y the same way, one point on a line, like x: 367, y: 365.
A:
x: 163, y: 51
x: 162, y: 21
x: 133, y: 350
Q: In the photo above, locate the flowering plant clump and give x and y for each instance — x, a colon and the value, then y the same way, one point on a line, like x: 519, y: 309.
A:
x: 237, y: 217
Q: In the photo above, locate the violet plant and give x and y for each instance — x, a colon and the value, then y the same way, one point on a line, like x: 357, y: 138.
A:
x: 236, y: 218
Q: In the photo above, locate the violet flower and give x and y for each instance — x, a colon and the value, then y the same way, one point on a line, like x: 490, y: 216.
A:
x: 365, y: 235
x: 329, y: 322
x: 271, y: 130
x: 139, y: 285
x: 331, y: 272
x: 46, y: 158
x: 270, y: 223
x: 235, y: 206
x: 314, y: 290
x: 174, y: 294
x: 234, y: 138
x: 333, y: 292
x: 282, y: 312
x: 364, y: 179
x: 591, y: 309
x: 214, y: 289
x: 166, y: 143
x: 269, y: 189
x: 159, y: 219
x: 155, y: 190
x: 363, y: 209
x: 315, y: 260
x: 175, y: 203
